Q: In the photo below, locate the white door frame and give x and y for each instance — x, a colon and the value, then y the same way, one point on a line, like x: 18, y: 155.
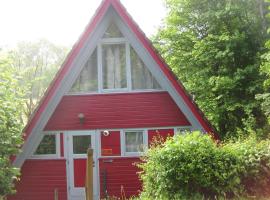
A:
x: 79, y: 193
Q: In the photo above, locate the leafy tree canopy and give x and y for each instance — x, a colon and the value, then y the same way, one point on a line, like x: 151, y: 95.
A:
x: 11, y: 98
x: 214, y: 47
x: 265, y: 97
x: 36, y: 64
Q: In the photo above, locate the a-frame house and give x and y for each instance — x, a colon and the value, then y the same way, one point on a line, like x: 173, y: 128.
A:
x: 113, y: 93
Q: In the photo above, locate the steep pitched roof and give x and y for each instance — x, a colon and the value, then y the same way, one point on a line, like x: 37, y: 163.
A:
x: 44, y: 106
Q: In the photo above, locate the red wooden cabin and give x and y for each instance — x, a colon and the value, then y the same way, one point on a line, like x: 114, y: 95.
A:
x: 113, y: 93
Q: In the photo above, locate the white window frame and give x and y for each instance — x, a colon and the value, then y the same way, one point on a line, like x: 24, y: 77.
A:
x: 49, y: 156
x: 123, y: 142
x: 112, y: 41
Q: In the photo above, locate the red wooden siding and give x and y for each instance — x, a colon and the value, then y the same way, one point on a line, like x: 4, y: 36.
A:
x: 79, y: 172
x: 110, y: 145
x: 163, y: 133
x: 127, y: 110
x: 40, y: 178
x: 120, y: 173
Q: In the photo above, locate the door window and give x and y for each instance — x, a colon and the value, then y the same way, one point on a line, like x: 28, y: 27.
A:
x: 81, y: 143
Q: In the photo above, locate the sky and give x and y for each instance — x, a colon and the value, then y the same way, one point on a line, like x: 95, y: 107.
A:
x: 62, y: 21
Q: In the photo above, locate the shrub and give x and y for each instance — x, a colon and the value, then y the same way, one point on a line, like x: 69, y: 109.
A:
x: 254, y: 157
x: 192, y: 166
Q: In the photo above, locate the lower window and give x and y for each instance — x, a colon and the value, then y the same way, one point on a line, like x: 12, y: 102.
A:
x: 47, y: 146
x: 134, y: 142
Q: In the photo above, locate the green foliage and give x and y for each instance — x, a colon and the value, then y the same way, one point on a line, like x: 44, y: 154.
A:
x: 36, y: 63
x: 265, y: 69
x: 192, y: 166
x: 214, y: 47
x: 10, y: 125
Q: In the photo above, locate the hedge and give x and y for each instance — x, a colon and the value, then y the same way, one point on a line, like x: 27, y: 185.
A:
x: 193, y: 166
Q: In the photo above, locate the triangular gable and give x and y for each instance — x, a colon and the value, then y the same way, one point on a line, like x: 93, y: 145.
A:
x: 78, y: 57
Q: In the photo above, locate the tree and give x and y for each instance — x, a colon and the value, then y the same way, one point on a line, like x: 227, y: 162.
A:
x: 265, y: 69
x: 25, y: 73
x: 265, y: 96
x: 36, y: 63
x: 214, y: 47
x: 10, y: 125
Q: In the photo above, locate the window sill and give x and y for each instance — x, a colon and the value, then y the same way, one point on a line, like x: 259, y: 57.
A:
x: 49, y: 156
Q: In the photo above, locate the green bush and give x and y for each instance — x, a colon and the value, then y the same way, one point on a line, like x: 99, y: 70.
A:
x: 192, y: 166
x: 10, y: 126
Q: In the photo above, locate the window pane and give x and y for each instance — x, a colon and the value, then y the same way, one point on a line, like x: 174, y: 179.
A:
x: 182, y: 130
x: 81, y: 144
x: 47, y: 145
x: 112, y: 32
x: 88, y: 78
x: 141, y: 76
x: 114, y: 66
x: 134, y: 141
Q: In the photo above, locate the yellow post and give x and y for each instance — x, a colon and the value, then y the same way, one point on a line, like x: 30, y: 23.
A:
x: 56, y: 194
x: 89, y: 175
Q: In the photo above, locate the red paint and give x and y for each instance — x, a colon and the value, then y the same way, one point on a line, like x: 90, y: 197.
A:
x: 79, y: 172
x: 61, y: 144
x: 107, y: 111
x: 120, y: 173
x: 163, y: 133
x: 111, y: 144
x: 40, y: 178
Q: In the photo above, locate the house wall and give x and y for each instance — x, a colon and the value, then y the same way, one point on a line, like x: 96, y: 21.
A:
x: 111, y: 144
x: 117, y: 173
x: 119, y: 177
x: 39, y: 180
x: 108, y: 111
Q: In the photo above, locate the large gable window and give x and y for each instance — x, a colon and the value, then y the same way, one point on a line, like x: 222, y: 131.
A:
x: 140, y: 75
x: 88, y: 78
x: 114, y: 66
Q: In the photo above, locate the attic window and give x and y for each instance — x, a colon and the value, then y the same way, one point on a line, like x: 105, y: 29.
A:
x: 88, y: 78
x: 140, y: 75
x: 114, y: 66
x: 112, y: 32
